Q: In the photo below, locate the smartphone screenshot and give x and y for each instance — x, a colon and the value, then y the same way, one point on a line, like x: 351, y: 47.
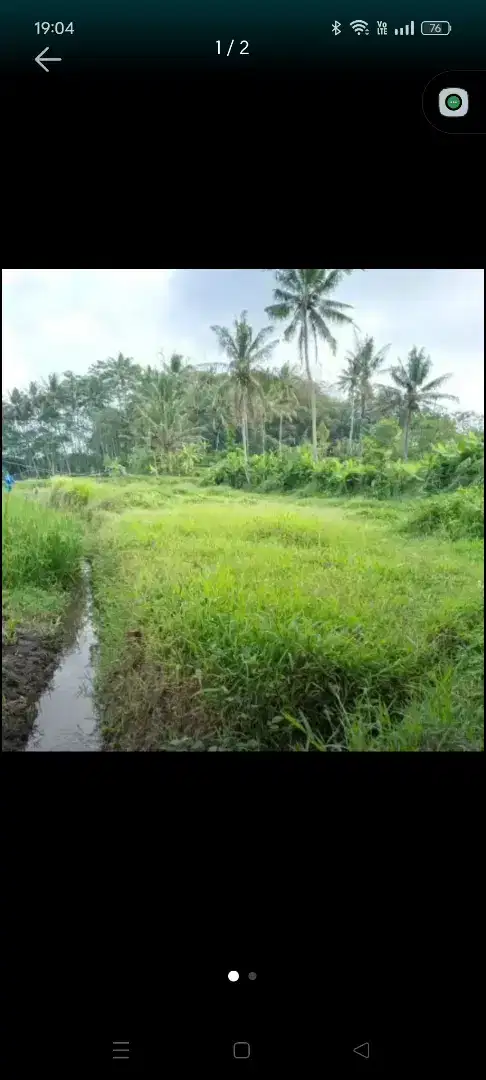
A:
x: 243, y: 524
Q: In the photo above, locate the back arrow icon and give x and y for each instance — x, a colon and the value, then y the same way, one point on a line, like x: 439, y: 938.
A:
x: 363, y: 1050
x: 42, y: 55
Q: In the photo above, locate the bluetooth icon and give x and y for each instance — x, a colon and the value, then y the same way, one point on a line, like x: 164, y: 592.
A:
x: 336, y: 28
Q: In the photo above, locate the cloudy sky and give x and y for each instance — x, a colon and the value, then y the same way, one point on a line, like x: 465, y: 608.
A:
x: 54, y: 320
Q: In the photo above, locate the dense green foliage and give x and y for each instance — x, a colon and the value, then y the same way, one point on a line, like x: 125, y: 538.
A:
x: 456, y: 464
x: 121, y: 417
x: 451, y: 466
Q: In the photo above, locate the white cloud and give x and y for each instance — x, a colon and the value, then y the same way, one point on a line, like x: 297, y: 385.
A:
x: 13, y: 359
x: 59, y: 319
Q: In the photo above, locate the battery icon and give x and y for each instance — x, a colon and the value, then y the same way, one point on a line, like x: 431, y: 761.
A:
x: 435, y: 28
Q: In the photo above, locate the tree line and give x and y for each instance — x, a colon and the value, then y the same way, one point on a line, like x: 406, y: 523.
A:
x: 143, y: 418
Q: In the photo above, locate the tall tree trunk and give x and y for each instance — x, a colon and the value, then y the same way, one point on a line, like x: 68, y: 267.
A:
x: 31, y: 464
x: 312, y: 390
x: 280, y: 426
x: 244, y: 436
x: 406, y: 436
x: 263, y: 436
x: 351, y: 429
x: 361, y: 424
x: 314, y: 425
x: 314, y: 421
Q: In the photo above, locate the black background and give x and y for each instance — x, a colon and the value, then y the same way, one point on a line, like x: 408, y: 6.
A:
x: 217, y: 166
x: 134, y: 883
x: 417, y: 1010
x: 351, y: 886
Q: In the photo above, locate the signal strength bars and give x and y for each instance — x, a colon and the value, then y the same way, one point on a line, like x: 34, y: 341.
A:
x: 408, y: 29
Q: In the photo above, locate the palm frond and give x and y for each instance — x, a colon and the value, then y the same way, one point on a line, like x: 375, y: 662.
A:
x: 279, y: 311
x: 225, y: 340
x: 293, y: 326
x: 441, y: 379
x: 261, y: 344
x: 438, y: 397
x: 319, y: 326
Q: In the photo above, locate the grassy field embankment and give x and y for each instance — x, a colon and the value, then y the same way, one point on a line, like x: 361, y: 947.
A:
x: 228, y: 620
x: 41, y: 561
x: 231, y: 620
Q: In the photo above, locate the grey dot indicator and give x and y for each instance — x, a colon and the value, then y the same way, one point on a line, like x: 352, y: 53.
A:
x: 252, y: 975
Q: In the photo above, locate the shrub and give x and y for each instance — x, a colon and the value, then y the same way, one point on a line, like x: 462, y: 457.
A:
x: 377, y: 473
x: 230, y: 470
x: 458, y: 514
x: 140, y: 461
x: 455, y: 464
x: 265, y: 469
x: 114, y: 467
x: 327, y: 473
x: 187, y: 460
x: 386, y: 433
x: 72, y: 493
x: 397, y: 478
x: 297, y: 468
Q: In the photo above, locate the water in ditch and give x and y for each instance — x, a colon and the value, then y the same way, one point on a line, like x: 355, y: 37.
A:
x: 66, y: 718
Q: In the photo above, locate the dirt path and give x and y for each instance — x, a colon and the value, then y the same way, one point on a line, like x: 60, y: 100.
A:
x: 28, y: 664
x: 47, y: 681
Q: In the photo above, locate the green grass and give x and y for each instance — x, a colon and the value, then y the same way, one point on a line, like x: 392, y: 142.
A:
x: 230, y: 620
x: 223, y: 620
x: 41, y: 557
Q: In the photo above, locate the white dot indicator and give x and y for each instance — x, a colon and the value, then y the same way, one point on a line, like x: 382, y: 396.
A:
x: 233, y: 976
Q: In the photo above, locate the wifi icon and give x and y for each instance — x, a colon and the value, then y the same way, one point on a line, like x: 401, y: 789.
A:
x: 359, y: 26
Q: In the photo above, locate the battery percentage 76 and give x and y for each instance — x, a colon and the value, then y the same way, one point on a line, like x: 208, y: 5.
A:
x: 436, y: 28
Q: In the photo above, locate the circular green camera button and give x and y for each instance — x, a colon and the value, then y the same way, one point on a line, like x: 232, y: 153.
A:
x: 453, y: 102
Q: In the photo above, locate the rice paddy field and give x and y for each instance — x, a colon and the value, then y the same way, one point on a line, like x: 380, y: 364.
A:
x: 231, y: 620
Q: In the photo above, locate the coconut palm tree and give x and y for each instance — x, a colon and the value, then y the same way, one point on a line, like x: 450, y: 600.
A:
x: 120, y: 374
x: 208, y: 402
x: 302, y: 300
x: 348, y: 382
x: 246, y: 354
x: 363, y: 361
x: 284, y: 397
x: 411, y: 392
x: 162, y: 416
x: 176, y: 364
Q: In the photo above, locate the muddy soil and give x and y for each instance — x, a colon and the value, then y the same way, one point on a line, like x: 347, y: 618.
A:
x: 28, y: 664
